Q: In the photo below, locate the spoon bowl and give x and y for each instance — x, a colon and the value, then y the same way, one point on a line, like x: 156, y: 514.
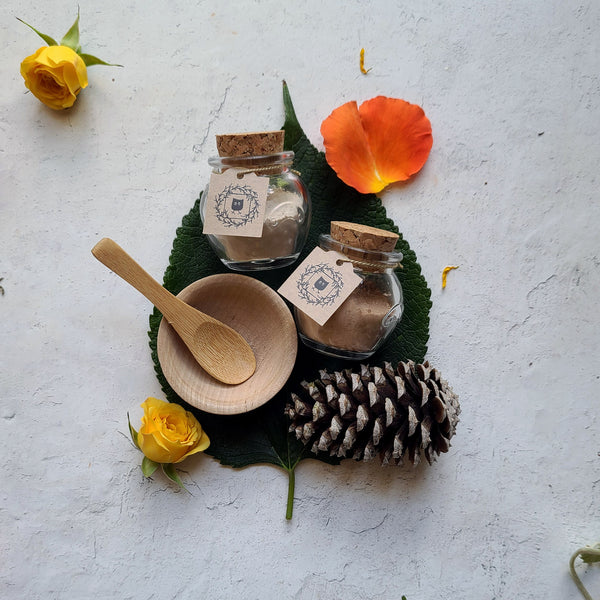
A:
x: 220, y: 350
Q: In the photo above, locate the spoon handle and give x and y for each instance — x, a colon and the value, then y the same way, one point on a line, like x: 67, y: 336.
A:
x: 110, y: 254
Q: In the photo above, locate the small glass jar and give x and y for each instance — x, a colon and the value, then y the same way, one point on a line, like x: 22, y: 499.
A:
x: 368, y: 316
x: 287, y: 215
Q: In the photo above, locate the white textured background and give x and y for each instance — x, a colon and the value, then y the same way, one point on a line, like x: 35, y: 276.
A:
x: 510, y: 193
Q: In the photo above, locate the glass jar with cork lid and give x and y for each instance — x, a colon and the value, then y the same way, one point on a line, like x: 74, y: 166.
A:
x: 368, y: 316
x: 255, y: 211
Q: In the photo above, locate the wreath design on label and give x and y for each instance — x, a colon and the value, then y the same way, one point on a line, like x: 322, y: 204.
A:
x: 320, y: 284
x: 237, y: 205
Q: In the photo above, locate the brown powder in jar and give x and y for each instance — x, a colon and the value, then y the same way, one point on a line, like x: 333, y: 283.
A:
x: 278, y: 240
x: 355, y: 325
x: 279, y: 233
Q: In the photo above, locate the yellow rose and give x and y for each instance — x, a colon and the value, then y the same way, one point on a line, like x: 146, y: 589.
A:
x: 55, y: 75
x: 169, y: 433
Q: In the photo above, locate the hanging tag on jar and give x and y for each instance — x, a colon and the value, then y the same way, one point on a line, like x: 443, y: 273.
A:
x: 321, y: 283
x: 235, y: 204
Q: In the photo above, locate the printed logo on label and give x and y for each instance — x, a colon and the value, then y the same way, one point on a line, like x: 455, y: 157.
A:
x: 320, y: 285
x: 235, y: 204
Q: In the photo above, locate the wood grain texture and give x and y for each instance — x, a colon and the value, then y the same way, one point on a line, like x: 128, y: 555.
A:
x: 261, y: 316
x: 218, y: 349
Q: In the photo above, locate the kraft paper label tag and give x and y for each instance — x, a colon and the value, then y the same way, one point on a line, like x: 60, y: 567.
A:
x: 321, y: 283
x: 235, y: 205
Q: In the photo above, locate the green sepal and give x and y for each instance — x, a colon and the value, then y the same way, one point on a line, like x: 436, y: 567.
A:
x: 133, y: 433
x: 50, y: 41
x: 170, y: 471
x: 90, y: 60
x: 148, y: 466
x: 71, y: 38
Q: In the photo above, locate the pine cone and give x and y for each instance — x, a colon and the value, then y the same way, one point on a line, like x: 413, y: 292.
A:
x: 377, y: 411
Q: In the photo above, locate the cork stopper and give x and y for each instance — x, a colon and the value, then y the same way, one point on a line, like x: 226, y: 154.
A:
x: 250, y: 144
x: 363, y: 236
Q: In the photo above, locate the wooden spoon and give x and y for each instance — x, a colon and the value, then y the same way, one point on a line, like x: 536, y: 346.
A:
x: 221, y: 351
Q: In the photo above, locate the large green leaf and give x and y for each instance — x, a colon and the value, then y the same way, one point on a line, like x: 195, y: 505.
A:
x: 261, y: 436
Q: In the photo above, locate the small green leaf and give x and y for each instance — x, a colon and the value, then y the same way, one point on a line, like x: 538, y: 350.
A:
x: 90, y: 60
x: 50, y: 41
x: 71, y: 38
x: 148, y: 467
x: 132, y: 432
x: 170, y: 471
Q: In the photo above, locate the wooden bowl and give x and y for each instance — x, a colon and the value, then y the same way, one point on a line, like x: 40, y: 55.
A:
x: 261, y: 316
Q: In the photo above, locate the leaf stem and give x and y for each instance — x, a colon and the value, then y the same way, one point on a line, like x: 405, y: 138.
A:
x: 291, y: 488
x: 587, y: 551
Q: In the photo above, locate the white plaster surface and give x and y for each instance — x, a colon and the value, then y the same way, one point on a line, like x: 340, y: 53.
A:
x: 510, y: 193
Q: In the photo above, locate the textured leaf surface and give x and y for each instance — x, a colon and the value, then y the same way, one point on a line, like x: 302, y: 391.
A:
x: 261, y: 435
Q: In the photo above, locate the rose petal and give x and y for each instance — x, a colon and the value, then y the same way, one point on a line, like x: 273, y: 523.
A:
x: 399, y: 136
x: 154, y: 451
x: 203, y: 444
x: 55, y: 75
x: 383, y: 141
x: 347, y: 149
x: 169, y: 433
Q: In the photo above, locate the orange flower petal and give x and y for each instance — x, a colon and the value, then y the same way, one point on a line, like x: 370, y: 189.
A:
x: 399, y: 136
x: 347, y: 148
x: 383, y: 141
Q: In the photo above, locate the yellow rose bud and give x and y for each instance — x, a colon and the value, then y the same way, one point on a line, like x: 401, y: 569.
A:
x: 55, y: 75
x: 169, y: 433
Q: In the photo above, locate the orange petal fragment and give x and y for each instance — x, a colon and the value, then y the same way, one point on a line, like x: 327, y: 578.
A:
x: 362, y: 62
x: 383, y: 141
